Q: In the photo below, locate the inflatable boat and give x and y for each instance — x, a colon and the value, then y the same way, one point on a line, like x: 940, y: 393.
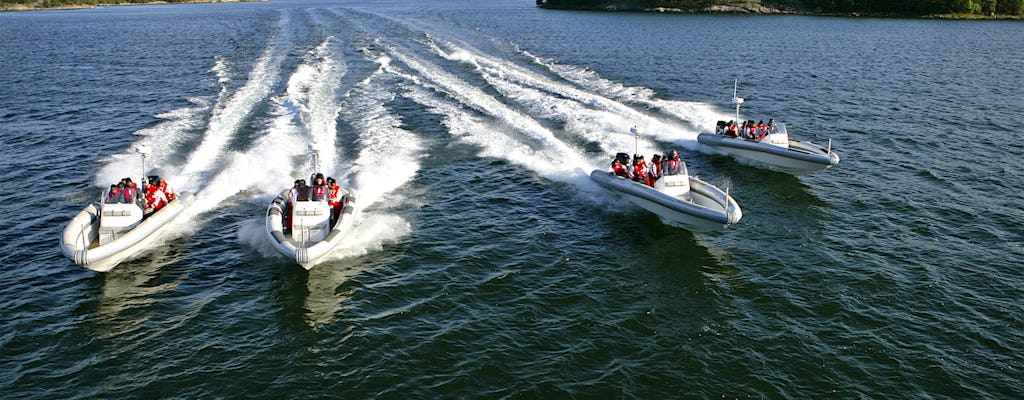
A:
x: 774, y: 151
x: 678, y: 200
x: 768, y: 145
x: 303, y: 228
x: 108, y: 232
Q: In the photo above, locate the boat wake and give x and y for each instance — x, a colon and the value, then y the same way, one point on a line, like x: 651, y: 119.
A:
x: 557, y: 121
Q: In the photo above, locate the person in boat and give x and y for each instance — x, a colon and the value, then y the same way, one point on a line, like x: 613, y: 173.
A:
x: 639, y: 169
x: 672, y: 163
x: 720, y: 127
x: 155, y: 198
x: 731, y: 129
x: 335, y: 196
x: 655, y: 170
x: 771, y: 125
x: 318, y: 190
x: 301, y: 191
x: 114, y: 194
x: 620, y: 170
x: 129, y: 191
x: 165, y: 188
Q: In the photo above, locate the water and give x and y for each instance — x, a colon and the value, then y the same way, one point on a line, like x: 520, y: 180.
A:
x: 485, y: 265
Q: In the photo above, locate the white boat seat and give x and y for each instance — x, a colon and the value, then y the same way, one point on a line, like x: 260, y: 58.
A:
x: 309, y: 212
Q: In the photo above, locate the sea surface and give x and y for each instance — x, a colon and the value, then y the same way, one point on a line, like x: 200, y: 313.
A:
x: 484, y: 263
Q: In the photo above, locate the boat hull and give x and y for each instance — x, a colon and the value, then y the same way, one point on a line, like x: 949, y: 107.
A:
x: 705, y: 208
x: 80, y: 238
x: 795, y: 158
x: 304, y: 253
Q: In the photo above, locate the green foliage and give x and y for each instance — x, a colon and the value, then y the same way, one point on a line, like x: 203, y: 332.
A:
x: 919, y: 7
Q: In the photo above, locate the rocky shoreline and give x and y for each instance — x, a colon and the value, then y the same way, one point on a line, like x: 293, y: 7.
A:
x: 37, y: 5
x: 737, y: 7
x: 748, y: 7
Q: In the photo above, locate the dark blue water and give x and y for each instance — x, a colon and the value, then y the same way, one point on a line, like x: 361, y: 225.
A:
x: 485, y: 265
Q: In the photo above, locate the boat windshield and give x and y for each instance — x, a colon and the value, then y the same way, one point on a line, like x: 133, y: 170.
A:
x: 779, y: 128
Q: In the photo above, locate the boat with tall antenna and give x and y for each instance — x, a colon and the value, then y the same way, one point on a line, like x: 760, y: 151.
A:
x: 121, y: 224
x: 305, y: 222
x: 767, y: 146
x: 676, y: 197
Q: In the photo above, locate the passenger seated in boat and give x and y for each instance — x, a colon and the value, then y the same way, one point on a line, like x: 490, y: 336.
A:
x: 771, y: 125
x: 114, y: 194
x: 639, y: 168
x: 318, y: 190
x: 165, y: 188
x: 129, y: 193
x: 655, y: 170
x: 672, y: 163
x: 620, y: 170
x: 731, y: 129
x: 302, y: 191
x: 334, y: 199
x: 155, y: 198
x: 720, y: 128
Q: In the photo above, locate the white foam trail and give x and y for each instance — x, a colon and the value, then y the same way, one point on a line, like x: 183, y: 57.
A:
x: 313, y: 89
x: 163, y: 139
x: 267, y: 165
x: 701, y: 115
x: 227, y: 118
x: 487, y: 104
x: 389, y: 156
x: 586, y: 113
x: 374, y: 231
x: 497, y: 143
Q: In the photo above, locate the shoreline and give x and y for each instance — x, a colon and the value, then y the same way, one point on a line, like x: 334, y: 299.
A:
x: 742, y: 8
x: 7, y: 7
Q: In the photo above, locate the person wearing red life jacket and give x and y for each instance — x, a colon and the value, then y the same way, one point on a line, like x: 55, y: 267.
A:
x: 334, y: 199
x: 165, y: 188
x: 318, y: 190
x: 155, y: 198
x: 620, y: 170
x: 672, y: 163
x: 654, y: 171
x: 639, y: 169
x: 290, y: 199
x: 129, y: 192
x: 730, y: 129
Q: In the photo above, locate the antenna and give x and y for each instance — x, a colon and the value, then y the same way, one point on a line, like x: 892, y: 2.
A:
x: 736, y: 99
x: 143, y: 150
x: 636, y: 140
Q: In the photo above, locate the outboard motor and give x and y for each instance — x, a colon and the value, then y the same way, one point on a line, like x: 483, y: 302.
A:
x: 720, y: 127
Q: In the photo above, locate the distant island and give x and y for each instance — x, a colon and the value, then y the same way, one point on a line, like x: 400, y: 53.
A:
x: 960, y: 9
x: 28, y: 5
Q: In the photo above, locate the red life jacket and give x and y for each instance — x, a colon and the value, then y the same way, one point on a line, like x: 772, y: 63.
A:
x: 673, y: 165
x: 128, y: 195
x: 155, y: 198
x: 318, y: 192
x: 334, y: 196
x: 164, y: 187
x: 639, y: 170
x: 620, y: 170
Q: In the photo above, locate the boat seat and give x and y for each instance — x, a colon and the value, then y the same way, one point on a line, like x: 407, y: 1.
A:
x: 309, y: 212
